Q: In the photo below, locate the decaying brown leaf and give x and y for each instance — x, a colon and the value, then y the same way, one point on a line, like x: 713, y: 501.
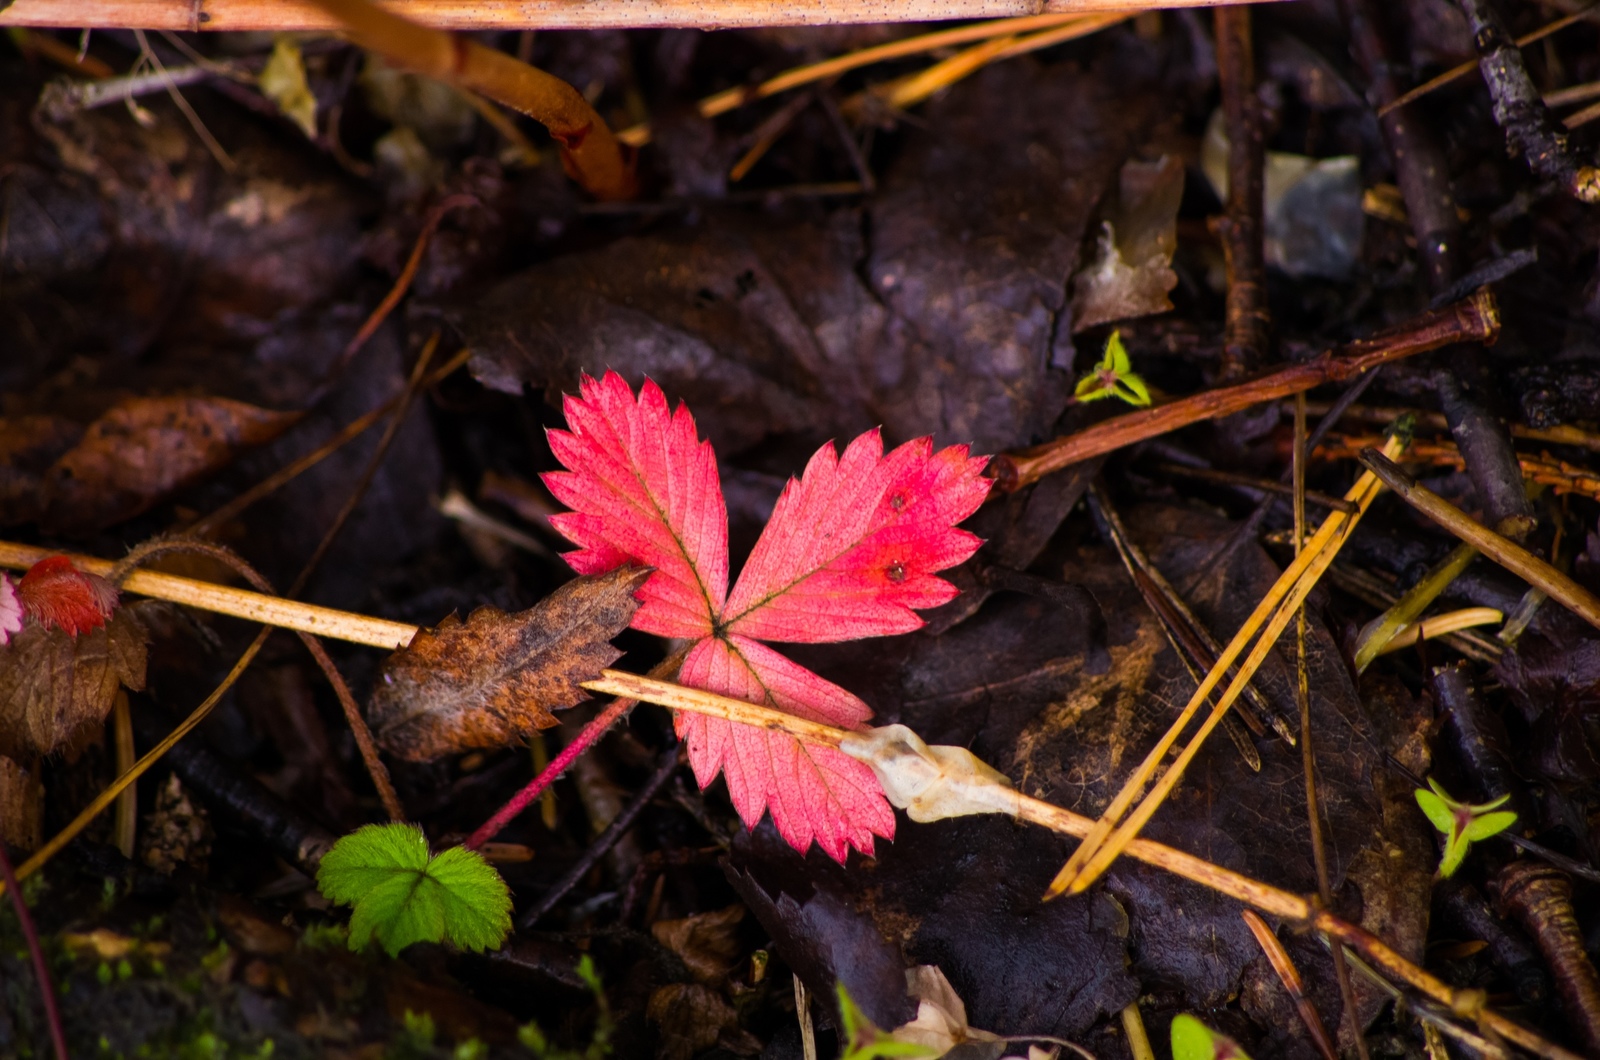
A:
x: 56, y: 688
x: 708, y: 943
x: 692, y: 1018
x: 496, y: 677
x: 145, y: 448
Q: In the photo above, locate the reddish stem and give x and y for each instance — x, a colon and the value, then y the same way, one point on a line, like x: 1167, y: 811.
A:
x: 41, y: 971
x: 552, y: 772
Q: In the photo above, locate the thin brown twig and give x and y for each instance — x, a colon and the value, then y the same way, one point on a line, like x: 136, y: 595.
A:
x: 1308, y: 758
x: 1473, y: 319
x: 402, y: 283
x: 150, y: 550
x: 1246, y: 324
x: 350, y: 431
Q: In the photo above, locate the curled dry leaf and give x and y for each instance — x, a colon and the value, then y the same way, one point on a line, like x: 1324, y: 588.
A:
x: 707, y: 943
x: 56, y: 688
x: 496, y: 677
x: 144, y: 449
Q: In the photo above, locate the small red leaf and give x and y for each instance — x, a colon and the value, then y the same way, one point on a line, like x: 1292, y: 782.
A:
x: 813, y: 792
x: 643, y: 489
x: 853, y: 545
x: 54, y: 593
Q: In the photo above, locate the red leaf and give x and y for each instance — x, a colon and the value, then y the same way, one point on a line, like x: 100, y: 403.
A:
x: 851, y: 549
x: 813, y: 792
x: 55, y: 593
x: 643, y: 489
x: 852, y: 546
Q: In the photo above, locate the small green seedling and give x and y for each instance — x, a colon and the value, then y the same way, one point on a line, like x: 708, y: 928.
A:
x: 403, y: 894
x: 1193, y: 1040
x: 862, y: 1040
x: 1113, y: 377
x: 1462, y: 823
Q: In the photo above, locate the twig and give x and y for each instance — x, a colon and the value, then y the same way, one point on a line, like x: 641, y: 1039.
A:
x: 1251, y: 482
x: 671, y: 758
x: 1289, y: 976
x: 195, y: 16
x: 1562, y: 476
x: 1508, y: 554
x: 1380, y: 594
x: 1540, y: 898
x: 1138, y: 1037
x: 589, y: 151
x: 358, y: 725
x: 1475, y: 319
x: 1308, y: 762
x: 1530, y: 129
x: 1419, y: 162
x: 1269, y: 618
x: 125, y: 824
x: 354, y: 429
x: 41, y: 968
x: 1456, y: 73
x: 402, y: 283
x: 1484, y: 443
x: 1377, y: 414
x: 1245, y: 334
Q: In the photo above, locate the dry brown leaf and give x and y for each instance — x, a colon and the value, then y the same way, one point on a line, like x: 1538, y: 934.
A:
x: 145, y: 448
x: 707, y: 943
x: 56, y: 688
x: 496, y: 677
x: 691, y: 1018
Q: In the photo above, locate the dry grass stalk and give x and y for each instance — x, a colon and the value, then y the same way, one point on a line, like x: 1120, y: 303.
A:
x: 281, y: 15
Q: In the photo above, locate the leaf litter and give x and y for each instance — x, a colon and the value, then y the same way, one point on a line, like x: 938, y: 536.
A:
x: 163, y: 309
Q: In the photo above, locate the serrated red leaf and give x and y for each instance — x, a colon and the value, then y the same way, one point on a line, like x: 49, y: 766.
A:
x: 54, y: 593
x: 643, y: 489
x: 852, y: 545
x: 814, y: 793
x: 851, y: 551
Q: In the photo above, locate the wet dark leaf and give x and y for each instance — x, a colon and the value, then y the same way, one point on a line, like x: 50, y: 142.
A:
x: 496, y: 677
x: 144, y: 449
x: 765, y: 326
x: 56, y: 688
x: 28, y: 446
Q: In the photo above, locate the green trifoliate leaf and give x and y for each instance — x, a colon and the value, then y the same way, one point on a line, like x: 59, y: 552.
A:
x: 1113, y: 377
x: 1438, y: 813
x: 402, y: 894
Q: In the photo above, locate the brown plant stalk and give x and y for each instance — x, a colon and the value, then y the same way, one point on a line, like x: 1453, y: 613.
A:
x: 589, y: 152
x: 1475, y: 319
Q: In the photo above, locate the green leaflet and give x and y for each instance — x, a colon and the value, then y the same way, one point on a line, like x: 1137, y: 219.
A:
x: 1193, y: 1040
x: 1461, y: 824
x: 402, y: 894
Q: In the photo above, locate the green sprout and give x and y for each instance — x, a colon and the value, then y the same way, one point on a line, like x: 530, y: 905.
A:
x: 1461, y: 823
x: 1113, y: 377
x: 1193, y: 1040
x: 864, y: 1041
